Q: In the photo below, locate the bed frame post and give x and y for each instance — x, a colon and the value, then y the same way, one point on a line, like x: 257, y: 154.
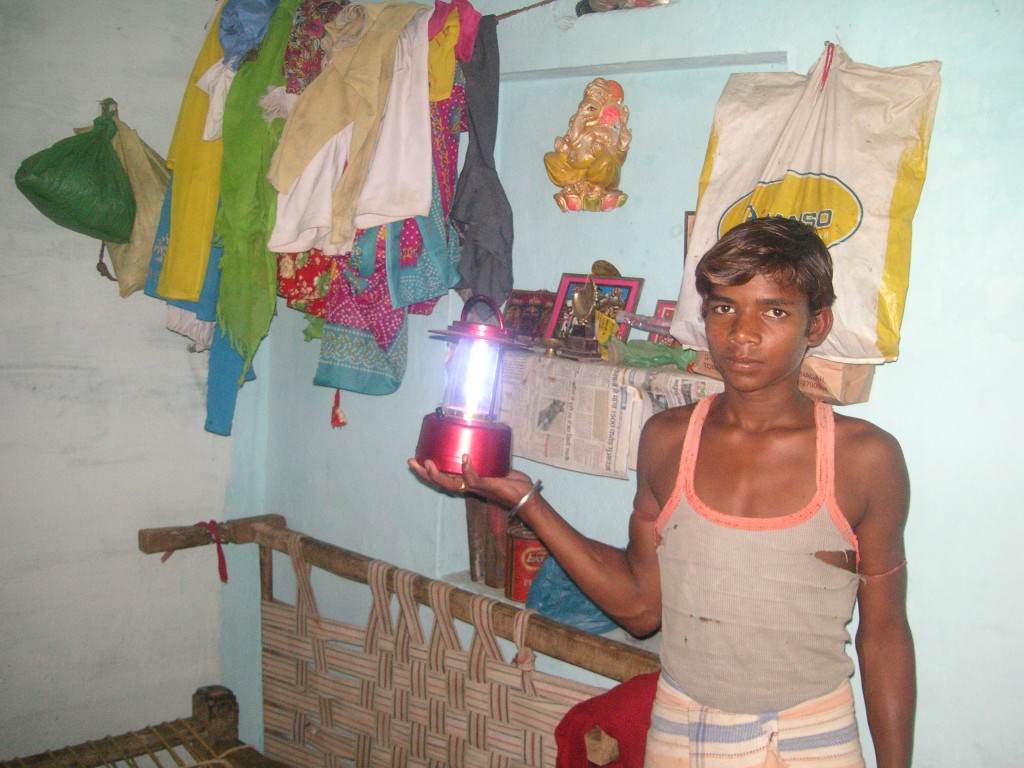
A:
x: 215, y: 711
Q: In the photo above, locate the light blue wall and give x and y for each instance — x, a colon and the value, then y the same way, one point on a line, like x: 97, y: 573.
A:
x: 951, y: 398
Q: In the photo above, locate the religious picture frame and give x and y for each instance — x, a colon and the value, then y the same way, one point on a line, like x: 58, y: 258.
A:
x: 664, y: 309
x: 613, y: 294
x: 528, y: 313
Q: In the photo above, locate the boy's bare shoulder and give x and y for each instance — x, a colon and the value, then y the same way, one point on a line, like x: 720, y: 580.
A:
x: 662, y: 436
x: 661, y: 444
x: 871, y: 473
x: 671, y: 421
x: 860, y: 440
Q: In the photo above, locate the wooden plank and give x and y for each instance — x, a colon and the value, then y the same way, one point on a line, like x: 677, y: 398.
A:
x: 610, y: 658
x: 157, y: 540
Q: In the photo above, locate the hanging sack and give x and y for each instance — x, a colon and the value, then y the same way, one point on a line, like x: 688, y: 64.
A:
x: 843, y: 149
x: 148, y: 177
x: 79, y: 182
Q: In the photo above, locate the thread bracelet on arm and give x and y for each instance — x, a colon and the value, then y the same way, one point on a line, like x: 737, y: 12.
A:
x: 526, y: 497
x: 890, y: 572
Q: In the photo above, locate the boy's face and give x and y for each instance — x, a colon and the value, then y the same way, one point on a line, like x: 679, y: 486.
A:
x: 758, y: 332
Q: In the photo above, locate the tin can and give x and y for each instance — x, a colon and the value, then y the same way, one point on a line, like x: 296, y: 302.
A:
x: 525, y: 556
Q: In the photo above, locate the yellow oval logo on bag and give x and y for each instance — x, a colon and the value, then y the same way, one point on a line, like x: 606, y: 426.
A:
x: 822, y: 201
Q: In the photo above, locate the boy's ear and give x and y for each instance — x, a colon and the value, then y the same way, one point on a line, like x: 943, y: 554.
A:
x: 819, y: 327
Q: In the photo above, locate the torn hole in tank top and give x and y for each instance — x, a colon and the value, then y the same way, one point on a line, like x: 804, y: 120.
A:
x: 844, y: 559
x: 661, y: 536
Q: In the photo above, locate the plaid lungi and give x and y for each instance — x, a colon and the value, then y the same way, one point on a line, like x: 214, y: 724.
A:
x: 820, y: 732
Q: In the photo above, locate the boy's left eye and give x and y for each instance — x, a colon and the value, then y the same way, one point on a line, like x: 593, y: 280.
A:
x: 777, y: 313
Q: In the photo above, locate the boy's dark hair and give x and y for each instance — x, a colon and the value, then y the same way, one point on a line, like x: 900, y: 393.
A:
x: 784, y: 250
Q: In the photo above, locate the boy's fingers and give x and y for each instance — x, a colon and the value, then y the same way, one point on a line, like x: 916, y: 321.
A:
x: 428, y: 471
x: 468, y: 472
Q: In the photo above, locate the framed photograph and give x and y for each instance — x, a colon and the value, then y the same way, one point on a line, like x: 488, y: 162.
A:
x: 613, y: 294
x: 528, y: 313
x: 664, y: 310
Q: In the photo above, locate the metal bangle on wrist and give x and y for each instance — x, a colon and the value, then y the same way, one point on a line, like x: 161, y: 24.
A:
x: 526, y: 497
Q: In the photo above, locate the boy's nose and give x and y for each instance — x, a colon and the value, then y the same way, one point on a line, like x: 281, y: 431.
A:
x: 744, y: 329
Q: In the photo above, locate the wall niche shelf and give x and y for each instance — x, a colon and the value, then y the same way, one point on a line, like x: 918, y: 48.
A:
x: 617, y: 69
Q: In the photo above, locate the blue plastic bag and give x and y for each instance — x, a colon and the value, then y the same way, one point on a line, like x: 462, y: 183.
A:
x: 555, y: 596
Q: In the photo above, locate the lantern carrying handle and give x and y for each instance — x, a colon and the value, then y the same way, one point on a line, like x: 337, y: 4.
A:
x: 490, y: 302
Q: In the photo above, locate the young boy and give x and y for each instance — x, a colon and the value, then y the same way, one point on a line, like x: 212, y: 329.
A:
x: 760, y: 518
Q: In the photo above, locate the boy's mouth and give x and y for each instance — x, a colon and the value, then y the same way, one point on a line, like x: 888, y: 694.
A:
x: 741, y: 363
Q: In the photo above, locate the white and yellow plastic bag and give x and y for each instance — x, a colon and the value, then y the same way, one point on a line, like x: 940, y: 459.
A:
x: 844, y: 149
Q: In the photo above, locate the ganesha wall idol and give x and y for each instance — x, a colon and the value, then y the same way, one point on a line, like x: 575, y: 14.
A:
x: 587, y: 161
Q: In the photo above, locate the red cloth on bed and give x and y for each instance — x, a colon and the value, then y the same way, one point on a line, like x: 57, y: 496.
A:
x: 623, y: 712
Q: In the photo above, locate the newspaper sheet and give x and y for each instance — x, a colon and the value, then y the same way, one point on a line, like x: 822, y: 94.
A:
x: 587, y: 415
x: 662, y: 388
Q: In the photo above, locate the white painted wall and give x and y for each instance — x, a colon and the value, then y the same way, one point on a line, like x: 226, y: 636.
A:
x: 101, y: 409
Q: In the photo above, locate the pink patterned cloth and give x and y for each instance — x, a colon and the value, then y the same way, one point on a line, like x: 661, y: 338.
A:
x: 360, y: 301
x: 447, y: 121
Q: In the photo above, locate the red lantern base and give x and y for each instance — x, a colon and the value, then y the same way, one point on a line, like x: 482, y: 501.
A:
x: 445, y: 439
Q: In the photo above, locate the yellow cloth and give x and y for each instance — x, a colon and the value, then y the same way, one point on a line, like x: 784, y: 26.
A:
x: 352, y: 90
x: 441, y: 58
x: 195, y: 186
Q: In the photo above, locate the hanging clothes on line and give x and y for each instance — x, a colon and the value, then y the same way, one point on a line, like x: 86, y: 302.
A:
x: 452, y: 32
x: 197, y: 321
x: 196, y: 183
x: 351, y: 90
x: 365, y: 343
x: 248, y: 288
x: 397, y: 179
x: 481, y: 212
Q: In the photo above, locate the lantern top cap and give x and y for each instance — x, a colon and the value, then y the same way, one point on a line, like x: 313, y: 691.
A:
x: 463, y: 329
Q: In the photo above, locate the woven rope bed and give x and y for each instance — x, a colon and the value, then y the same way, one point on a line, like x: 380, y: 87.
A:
x: 403, y: 691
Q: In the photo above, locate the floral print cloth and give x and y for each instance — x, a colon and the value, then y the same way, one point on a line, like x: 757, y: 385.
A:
x: 305, y: 52
x: 304, y: 280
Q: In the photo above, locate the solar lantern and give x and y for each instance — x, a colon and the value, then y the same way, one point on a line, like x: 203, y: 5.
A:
x: 466, y: 422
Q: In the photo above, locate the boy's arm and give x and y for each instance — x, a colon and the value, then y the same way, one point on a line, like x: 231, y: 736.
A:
x: 624, y: 584
x: 885, y: 646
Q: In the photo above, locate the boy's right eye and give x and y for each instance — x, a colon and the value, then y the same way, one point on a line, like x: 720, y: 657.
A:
x: 721, y: 309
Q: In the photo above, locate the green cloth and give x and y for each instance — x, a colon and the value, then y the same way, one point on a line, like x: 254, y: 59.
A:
x: 248, y: 287
x: 638, y: 353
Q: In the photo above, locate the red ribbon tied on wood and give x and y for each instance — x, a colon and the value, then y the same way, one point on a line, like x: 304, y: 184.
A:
x: 222, y: 563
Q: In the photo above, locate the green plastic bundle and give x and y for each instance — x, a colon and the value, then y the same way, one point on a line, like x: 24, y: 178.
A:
x: 80, y: 184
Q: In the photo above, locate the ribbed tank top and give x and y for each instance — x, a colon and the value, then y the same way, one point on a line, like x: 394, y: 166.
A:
x: 752, y: 620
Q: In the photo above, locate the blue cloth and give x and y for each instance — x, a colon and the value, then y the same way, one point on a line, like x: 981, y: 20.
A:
x: 436, y: 268
x: 222, y: 384
x: 225, y: 364
x: 160, y: 241
x: 350, y: 359
x: 205, y: 308
x: 243, y: 24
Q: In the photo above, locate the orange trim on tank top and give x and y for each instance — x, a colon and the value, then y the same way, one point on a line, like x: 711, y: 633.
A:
x: 825, y: 481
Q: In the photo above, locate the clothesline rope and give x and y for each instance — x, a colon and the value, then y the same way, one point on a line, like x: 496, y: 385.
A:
x: 505, y: 15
